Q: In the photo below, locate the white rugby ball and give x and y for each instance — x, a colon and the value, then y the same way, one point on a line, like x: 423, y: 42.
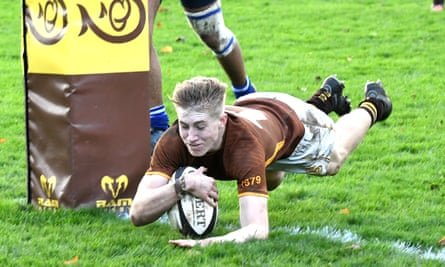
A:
x: 191, y: 215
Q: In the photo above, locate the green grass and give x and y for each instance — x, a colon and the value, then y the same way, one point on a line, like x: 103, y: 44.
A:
x: 393, y: 185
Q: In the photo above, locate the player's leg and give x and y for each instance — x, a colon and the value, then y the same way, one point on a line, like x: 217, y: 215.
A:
x: 158, y: 114
x: 351, y: 128
x: 206, y: 19
x: 330, y: 97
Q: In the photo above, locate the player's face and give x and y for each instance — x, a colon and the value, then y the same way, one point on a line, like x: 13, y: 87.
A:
x: 200, y: 132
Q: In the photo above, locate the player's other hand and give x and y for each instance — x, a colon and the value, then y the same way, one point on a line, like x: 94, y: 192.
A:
x: 202, y: 186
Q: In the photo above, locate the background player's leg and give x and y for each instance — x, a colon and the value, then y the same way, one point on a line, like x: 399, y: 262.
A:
x: 206, y: 19
x: 158, y: 115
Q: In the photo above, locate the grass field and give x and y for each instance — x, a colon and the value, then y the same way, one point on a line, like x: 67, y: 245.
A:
x: 384, y: 208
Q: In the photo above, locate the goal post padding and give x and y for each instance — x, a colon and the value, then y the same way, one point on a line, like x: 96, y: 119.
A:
x: 86, y: 67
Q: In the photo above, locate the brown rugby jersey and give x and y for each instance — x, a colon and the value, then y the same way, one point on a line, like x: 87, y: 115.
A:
x: 258, y: 132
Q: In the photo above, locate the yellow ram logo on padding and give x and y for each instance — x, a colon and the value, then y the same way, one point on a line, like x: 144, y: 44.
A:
x: 48, y: 184
x: 115, y: 186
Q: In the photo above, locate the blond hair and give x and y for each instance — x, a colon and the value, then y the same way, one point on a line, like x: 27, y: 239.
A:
x: 202, y: 94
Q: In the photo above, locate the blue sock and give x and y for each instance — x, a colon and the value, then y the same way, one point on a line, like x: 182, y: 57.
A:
x: 246, y: 89
x: 158, y: 118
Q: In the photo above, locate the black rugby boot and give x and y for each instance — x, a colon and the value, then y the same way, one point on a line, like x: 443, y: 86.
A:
x: 329, y: 97
x: 376, y: 102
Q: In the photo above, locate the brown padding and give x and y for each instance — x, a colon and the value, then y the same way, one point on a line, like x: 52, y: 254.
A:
x: 85, y: 128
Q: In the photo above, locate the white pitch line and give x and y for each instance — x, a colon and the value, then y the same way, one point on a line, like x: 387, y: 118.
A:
x: 428, y: 254
x: 346, y: 236
x: 343, y: 236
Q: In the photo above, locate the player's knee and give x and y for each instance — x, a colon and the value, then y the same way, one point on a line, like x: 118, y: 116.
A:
x: 211, y: 40
x: 332, y: 169
x: 210, y: 27
x: 338, y: 157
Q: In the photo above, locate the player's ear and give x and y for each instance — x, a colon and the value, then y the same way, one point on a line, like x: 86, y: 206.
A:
x: 223, y: 119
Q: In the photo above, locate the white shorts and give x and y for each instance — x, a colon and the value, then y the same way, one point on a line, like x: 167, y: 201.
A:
x: 312, y: 154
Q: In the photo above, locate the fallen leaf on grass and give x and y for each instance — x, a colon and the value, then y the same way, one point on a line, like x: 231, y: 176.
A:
x: 345, y: 211
x: 442, y: 241
x: 167, y: 49
x: 74, y: 260
x: 2, y: 140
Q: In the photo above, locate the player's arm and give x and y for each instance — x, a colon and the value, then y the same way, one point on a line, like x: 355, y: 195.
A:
x: 254, y: 221
x: 155, y: 195
x: 254, y: 225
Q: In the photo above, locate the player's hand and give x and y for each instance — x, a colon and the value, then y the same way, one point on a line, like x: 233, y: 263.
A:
x: 202, y: 186
x: 184, y: 243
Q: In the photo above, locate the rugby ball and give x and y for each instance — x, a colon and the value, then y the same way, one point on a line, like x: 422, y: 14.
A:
x: 191, y: 215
